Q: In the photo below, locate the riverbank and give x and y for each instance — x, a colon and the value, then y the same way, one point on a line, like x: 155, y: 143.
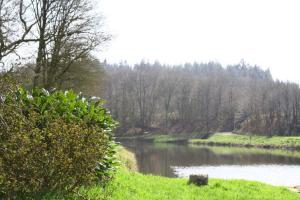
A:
x: 230, y: 139
x: 129, y: 184
x: 165, y: 138
x: 228, y: 150
x: 132, y: 185
x: 226, y: 139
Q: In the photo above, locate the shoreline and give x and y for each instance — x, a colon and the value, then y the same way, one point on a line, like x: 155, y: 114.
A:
x: 295, y: 189
x: 224, y: 139
x: 262, y: 146
x: 146, y: 187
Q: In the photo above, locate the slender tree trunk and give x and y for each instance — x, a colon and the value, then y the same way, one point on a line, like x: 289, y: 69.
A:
x: 40, y: 60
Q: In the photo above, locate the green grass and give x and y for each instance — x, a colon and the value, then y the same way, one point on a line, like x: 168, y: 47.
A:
x: 243, y: 150
x: 172, y: 138
x: 135, y: 186
x: 165, y: 138
x: 256, y: 141
x: 168, y: 138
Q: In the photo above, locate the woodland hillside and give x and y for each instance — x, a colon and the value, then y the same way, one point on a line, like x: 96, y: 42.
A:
x: 201, y: 97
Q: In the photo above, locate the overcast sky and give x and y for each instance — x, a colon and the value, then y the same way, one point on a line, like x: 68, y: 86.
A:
x: 262, y: 32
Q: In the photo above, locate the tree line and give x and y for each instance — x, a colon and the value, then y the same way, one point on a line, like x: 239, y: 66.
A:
x: 201, y: 97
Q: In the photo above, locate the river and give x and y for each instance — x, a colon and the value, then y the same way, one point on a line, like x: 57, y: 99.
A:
x: 274, y: 167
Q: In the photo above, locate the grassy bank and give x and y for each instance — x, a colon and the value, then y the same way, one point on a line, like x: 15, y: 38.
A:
x: 127, y: 159
x: 132, y: 185
x: 226, y: 150
x: 135, y: 186
x: 165, y: 138
x: 253, y: 141
x: 225, y: 139
x: 129, y: 184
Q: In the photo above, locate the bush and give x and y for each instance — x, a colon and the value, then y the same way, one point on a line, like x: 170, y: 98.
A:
x: 56, y: 141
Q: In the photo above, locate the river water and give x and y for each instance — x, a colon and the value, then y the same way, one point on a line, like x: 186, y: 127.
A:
x: 274, y: 167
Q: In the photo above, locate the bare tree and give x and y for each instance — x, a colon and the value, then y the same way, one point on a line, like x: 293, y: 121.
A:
x: 15, y: 26
x: 68, y: 31
x: 202, y: 98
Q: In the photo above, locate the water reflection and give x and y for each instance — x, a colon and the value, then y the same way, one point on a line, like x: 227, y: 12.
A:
x: 180, y: 160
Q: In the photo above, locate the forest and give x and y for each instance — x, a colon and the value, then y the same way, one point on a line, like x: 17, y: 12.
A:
x: 201, y: 97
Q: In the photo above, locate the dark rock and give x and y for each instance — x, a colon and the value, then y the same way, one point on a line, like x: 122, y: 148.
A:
x: 198, y: 179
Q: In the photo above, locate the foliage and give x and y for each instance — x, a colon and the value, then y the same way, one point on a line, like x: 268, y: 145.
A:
x: 86, y: 75
x: 53, y: 141
x: 66, y: 105
x: 108, y: 166
x: 7, y: 84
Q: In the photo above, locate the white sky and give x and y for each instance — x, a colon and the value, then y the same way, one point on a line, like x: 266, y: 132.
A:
x: 262, y: 32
